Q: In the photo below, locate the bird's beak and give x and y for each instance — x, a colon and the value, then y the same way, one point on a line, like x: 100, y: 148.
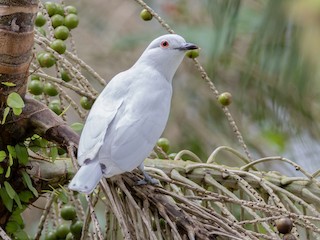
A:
x: 188, y: 46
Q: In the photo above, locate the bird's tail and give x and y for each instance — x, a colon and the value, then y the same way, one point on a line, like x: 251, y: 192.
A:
x: 87, y: 177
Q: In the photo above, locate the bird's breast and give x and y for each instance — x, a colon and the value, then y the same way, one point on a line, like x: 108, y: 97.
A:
x: 151, y: 101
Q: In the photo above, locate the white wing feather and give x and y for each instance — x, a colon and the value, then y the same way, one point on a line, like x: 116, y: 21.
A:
x: 101, y: 115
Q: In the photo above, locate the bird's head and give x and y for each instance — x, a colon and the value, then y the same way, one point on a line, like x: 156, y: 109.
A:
x: 170, y: 42
x: 165, y: 54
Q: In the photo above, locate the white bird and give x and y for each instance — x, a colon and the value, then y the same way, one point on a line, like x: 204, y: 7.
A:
x: 129, y: 115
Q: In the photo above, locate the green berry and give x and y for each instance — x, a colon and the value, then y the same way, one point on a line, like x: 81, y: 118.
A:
x: 225, y: 98
x: 59, y: 46
x: 62, y: 231
x: 46, y: 60
x: 35, y: 87
x: 59, y: 9
x: 86, y: 103
x: 145, y: 15
x: 50, y: 90
x: 61, y: 32
x: 68, y: 212
x: 57, y: 20
x: 55, y: 101
x: 71, y: 21
x: 76, y: 228
x: 164, y: 144
x: 51, y: 8
x: 71, y: 9
x: 39, y: 55
x: 70, y: 236
x: 55, y: 106
x: 65, y: 76
x: 51, y: 236
x: 40, y: 20
x: 193, y: 53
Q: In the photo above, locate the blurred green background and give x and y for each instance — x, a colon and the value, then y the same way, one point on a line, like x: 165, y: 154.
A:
x: 264, y: 52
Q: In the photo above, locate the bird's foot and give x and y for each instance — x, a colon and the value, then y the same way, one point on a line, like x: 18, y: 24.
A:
x: 152, y: 181
x: 147, y: 180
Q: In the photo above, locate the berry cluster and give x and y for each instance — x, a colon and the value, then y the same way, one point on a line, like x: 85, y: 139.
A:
x: 56, y: 21
x: 67, y: 231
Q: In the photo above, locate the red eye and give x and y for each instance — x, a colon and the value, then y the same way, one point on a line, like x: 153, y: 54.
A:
x: 164, y: 44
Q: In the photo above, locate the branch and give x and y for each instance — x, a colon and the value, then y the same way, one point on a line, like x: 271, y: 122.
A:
x: 189, y: 208
x: 47, y: 124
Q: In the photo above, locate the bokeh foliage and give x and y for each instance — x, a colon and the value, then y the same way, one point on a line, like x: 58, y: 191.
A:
x: 263, y: 52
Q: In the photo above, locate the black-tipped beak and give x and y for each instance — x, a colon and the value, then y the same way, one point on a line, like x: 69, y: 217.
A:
x: 188, y: 46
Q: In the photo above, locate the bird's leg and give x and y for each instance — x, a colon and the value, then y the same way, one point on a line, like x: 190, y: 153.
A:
x: 147, y: 178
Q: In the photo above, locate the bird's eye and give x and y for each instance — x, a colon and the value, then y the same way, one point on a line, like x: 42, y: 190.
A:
x: 164, y: 44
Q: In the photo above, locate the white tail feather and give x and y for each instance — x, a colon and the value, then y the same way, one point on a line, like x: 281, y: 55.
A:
x: 87, y: 178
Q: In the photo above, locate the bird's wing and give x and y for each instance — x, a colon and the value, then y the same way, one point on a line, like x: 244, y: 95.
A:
x: 101, y: 115
x: 135, y: 133
x: 135, y: 138
x: 133, y: 144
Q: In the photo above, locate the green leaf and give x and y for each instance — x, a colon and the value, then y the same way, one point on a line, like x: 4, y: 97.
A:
x: 7, y: 201
x: 12, y: 227
x: 16, y: 217
x: 41, y: 142
x: 53, y: 153
x: 10, y: 160
x: 9, y: 84
x: 8, y: 172
x: 17, y: 111
x: 11, y: 192
x: 17, y: 200
x: 22, y: 235
x: 26, y: 196
x: 22, y: 154
x: 2, y: 156
x: 12, y: 151
x: 1, y: 170
x: 28, y: 181
x: 14, y: 100
x: 5, y: 114
x: 34, y: 148
x: 77, y: 127
x: 35, y: 136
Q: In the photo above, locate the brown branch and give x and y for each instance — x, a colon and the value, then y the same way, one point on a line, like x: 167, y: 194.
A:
x: 47, y: 124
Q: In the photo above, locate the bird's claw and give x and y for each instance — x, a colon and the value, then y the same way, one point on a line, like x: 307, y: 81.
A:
x: 141, y: 182
x: 148, y: 180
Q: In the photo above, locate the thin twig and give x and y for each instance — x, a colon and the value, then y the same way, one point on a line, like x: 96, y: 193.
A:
x: 124, y: 228
x: 44, y: 216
